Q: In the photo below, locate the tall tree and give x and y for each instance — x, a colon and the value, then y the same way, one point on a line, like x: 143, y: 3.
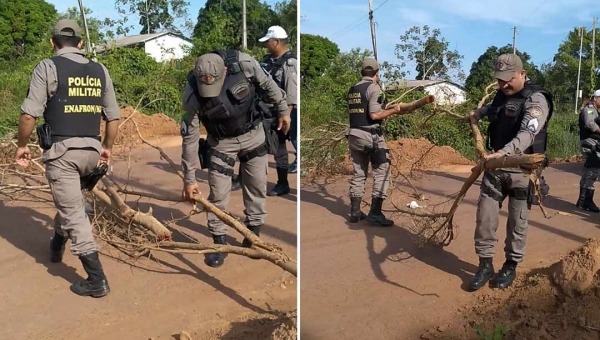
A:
x: 287, y: 17
x: 157, y: 15
x: 430, y: 53
x: 259, y: 16
x: 482, y: 70
x: 317, y: 55
x: 561, y: 73
x: 24, y: 23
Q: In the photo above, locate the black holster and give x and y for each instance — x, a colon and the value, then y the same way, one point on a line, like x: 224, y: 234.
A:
x: 203, y: 153
x: 271, y: 136
x: 44, y: 134
x: 89, y: 181
x: 377, y: 156
x: 592, y: 160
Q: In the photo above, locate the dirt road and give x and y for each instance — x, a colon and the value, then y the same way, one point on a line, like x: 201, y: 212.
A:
x: 363, y: 282
x: 152, y: 298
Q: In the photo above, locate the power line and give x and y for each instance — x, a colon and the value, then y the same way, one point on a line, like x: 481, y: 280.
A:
x: 359, y: 21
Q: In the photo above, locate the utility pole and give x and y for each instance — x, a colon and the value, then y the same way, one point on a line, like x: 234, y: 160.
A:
x: 88, y: 45
x: 579, y: 71
x: 514, y: 39
x: 593, y: 75
x: 147, y: 19
x: 245, y: 32
x: 372, y: 28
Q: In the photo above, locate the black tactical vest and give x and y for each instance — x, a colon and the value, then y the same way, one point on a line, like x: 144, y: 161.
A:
x: 358, y: 106
x: 584, y: 132
x: 503, y: 128
x: 233, y: 112
x: 75, y: 110
x: 272, y: 66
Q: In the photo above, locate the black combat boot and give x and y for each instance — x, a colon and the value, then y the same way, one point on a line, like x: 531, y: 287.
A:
x: 217, y: 259
x: 57, y: 247
x: 256, y: 230
x: 376, y: 216
x: 484, y: 273
x: 355, y: 213
x: 282, y: 187
x: 506, y: 275
x: 589, y: 201
x: 96, y: 284
x: 581, y: 201
x: 246, y: 243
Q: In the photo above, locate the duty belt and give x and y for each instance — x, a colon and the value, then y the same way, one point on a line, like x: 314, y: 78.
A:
x: 372, y: 130
x: 56, y: 139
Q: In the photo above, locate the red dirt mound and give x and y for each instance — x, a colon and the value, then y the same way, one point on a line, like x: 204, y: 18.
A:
x: 425, y: 156
x: 559, y: 302
x: 154, y: 125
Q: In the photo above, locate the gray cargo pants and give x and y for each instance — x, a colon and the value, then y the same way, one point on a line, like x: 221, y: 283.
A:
x: 64, y: 175
x: 495, y: 186
x: 359, y: 155
x: 590, y: 174
x: 254, y: 179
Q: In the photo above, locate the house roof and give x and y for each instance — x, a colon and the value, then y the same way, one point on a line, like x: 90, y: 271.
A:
x: 134, y: 40
x: 408, y: 83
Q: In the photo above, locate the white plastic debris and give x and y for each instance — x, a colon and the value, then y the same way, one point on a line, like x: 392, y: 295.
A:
x: 413, y: 205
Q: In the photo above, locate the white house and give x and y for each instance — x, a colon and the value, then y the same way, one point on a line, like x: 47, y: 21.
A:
x: 160, y: 46
x: 445, y: 92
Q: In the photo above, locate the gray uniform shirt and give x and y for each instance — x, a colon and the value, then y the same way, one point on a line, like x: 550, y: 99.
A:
x: 289, y: 72
x: 536, y: 114
x: 190, y: 123
x: 43, y: 86
x: 590, y: 115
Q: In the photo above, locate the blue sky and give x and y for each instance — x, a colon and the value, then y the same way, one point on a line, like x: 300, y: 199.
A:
x: 106, y: 9
x: 471, y: 26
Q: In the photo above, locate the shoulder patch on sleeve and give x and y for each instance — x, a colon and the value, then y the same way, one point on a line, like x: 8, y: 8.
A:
x: 532, y: 125
x: 535, y: 111
x: 590, y: 112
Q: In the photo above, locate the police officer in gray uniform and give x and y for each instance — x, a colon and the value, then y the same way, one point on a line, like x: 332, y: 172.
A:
x: 281, y: 64
x: 221, y: 93
x: 518, y: 116
x: 71, y: 93
x: 589, y: 135
x: 367, y: 110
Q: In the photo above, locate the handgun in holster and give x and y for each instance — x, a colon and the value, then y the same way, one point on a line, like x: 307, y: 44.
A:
x: 204, y: 153
x: 89, y: 181
x: 44, y: 134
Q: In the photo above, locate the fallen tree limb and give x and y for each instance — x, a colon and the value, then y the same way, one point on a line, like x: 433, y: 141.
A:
x: 283, y: 260
x: 415, y: 105
x: 129, y: 215
x: 199, y: 248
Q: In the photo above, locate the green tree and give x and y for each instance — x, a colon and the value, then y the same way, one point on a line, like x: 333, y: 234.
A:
x: 561, y: 74
x: 430, y: 52
x: 482, y: 70
x: 23, y: 24
x: 259, y: 16
x: 157, y: 15
x: 317, y: 55
x: 221, y: 36
x: 287, y: 17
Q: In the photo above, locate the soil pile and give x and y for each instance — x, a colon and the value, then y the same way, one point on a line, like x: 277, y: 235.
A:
x: 268, y: 327
x: 558, y: 302
x: 150, y: 126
